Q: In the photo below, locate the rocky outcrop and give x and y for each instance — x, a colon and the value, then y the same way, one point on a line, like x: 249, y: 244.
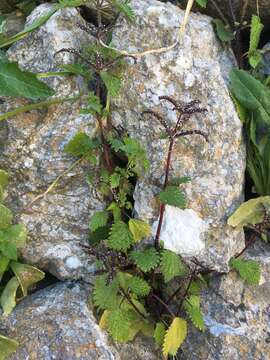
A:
x: 56, y: 323
x: 32, y: 151
x: 237, y: 317
x: 197, y: 68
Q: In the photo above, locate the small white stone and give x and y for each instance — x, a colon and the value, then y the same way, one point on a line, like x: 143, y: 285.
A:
x: 28, y: 162
x: 183, y: 231
x: 73, y: 262
x: 189, y: 80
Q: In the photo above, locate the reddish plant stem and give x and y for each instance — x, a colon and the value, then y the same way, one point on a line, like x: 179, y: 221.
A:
x: 132, y: 304
x: 249, y: 242
x: 162, y: 206
x: 175, y: 293
x: 164, y: 304
x: 105, y: 146
x: 186, y: 291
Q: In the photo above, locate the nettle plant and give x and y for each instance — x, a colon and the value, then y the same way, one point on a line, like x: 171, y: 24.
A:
x: 15, y: 277
x: 142, y: 288
x: 134, y: 292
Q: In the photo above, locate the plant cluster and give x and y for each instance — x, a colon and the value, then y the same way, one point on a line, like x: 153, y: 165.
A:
x: 251, y: 94
x: 15, y: 277
x: 140, y: 288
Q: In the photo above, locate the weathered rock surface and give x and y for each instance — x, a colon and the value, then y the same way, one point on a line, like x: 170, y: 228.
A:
x: 56, y: 324
x: 196, y: 69
x: 32, y: 151
x: 237, y: 317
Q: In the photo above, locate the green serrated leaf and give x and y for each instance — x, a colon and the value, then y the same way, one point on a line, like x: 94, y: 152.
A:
x: 172, y: 195
x: 171, y: 265
x: 192, y: 307
x: 255, y: 58
x: 118, y: 325
x: 7, y: 347
x: 115, y: 180
x: 195, y: 288
x: 146, y: 259
x: 116, y: 144
x: 253, y: 54
x: 115, y: 210
x: 8, y: 296
x: 26, y: 275
x: 159, y: 333
x: 99, y: 219
x: 112, y: 83
x: 6, y: 217
x: 174, y: 337
x: 94, y: 105
x: 15, y: 234
x: 139, y: 286
x: 223, y: 32
x: 105, y: 295
x: 79, y: 145
x: 249, y: 270
x: 120, y: 237
x: 137, y: 160
x: 180, y: 180
x: 76, y: 69
x: 9, y: 250
x: 17, y: 83
x: 139, y: 229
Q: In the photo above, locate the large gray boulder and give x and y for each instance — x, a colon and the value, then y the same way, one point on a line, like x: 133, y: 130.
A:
x: 32, y: 151
x: 198, y: 69
x: 56, y: 324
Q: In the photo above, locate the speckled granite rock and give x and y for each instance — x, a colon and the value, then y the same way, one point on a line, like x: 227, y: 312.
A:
x: 32, y: 151
x: 196, y: 69
x: 237, y: 317
x: 56, y: 324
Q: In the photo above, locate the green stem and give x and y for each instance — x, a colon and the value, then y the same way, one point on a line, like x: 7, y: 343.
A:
x: 53, y: 73
x: 39, y: 105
